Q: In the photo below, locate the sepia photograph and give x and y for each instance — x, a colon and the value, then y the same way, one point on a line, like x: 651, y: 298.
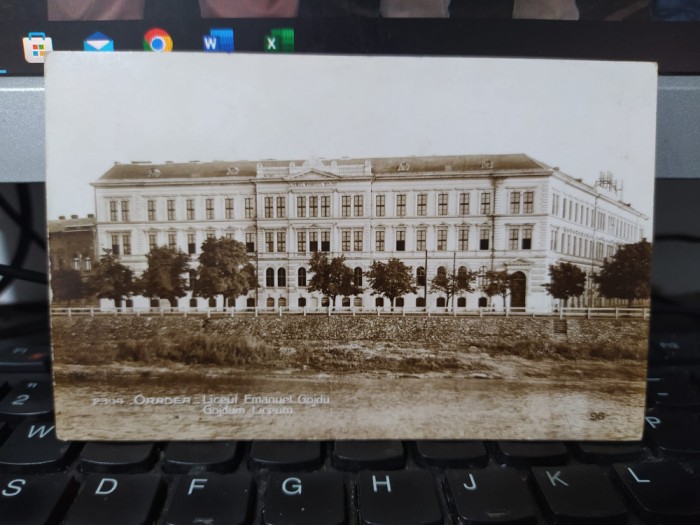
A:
x: 347, y: 247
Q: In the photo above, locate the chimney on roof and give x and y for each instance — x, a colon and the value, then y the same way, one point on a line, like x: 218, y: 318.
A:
x: 61, y: 217
x: 73, y: 216
x: 90, y: 215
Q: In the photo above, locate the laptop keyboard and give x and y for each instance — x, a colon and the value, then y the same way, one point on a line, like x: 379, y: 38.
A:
x: 47, y: 481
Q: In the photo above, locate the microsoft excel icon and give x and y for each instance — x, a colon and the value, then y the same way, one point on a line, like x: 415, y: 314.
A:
x: 280, y: 40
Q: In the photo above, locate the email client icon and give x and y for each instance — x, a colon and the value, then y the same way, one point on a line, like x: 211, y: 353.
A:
x: 98, y: 42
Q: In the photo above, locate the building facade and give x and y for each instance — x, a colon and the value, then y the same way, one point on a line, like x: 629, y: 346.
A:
x: 72, y: 243
x: 436, y: 214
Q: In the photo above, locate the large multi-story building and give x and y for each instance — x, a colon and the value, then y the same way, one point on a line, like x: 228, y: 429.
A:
x: 436, y: 214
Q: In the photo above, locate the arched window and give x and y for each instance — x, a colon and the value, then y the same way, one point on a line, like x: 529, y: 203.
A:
x: 282, y: 302
x: 155, y: 303
x: 212, y: 302
x: 193, y: 303
x: 420, y: 276
x: 399, y: 302
x: 346, y: 302
x: 357, y: 275
x: 301, y: 276
x: 270, y: 302
x: 462, y: 302
x: 231, y: 302
x: 129, y: 303
x: 301, y: 302
x: 358, y: 302
x: 270, y: 278
x: 440, y: 302
x: 441, y: 271
x: 483, y: 302
x: 420, y: 302
x: 281, y: 277
x: 379, y: 301
x: 462, y: 276
x: 250, y: 302
x: 325, y: 302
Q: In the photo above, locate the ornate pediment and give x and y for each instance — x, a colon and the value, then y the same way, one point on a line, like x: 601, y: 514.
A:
x: 312, y: 174
x: 518, y: 263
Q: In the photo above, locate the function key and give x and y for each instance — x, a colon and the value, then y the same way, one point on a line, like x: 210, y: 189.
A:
x: 305, y: 499
x: 28, y: 399
x: 210, y: 498
x: 607, y: 452
x: 18, y: 357
x: 286, y: 455
x: 33, y: 447
x: 672, y: 435
x: 213, y: 456
x: 116, y: 457
x: 34, y: 500
x: 579, y: 494
x: 454, y: 454
x: 130, y: 499
x: 490, y: 496
x: 400, y: 497
x: 663, y: 492
x: 527, y: 453
x: 358, y: 455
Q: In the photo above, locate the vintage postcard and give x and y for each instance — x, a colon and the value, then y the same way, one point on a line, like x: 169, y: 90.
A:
x: 317, y: 247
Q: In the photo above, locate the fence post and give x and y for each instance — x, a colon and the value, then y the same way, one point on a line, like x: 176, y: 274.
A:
x: 304, y: 311
x: 617, y: 313
x: 70, y: 314
x: 377, y: 311
x: 209, y: 313
x: 138, y: 313
x: 507, y: 311
x: 233, y: 308
x: 353, y: 310
x: 92, y: 312
x: 561, y: 313
x: 588, y: 313
x: 280, y: 308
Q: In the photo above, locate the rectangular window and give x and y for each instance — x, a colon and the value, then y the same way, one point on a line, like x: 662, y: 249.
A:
x: 527, y: 239
x: 313, y: 206
x: 345, y: 240
x: 172, y: 240
x: 115, y: 245
x: 228, y: 204
x: 125, y: 211
x: 400, y: 240
x: 249, y: 208
x: 464, y: 204
x: 113, y: 214
x: 442, y: 239
x: 281, y: 241
x: 442, y: 204
x: 401, y: 205
x: 359, y: 204
x: 357, y: 240
x: 325, y: 206
x: 422, y: 204
x: 529, y: 202
x: 345, y: 206
x: 152, y: 241
x: 301, y: 242
x: 210, y: 234
x: 380, y: 205
x: 325, y: 241
x: 464, y: 239
x: 151, y: 210
x: 230, y: 236
x: 269, y: 208
x: 485, y: 204
x: 269, y: 242
x: 191, y: 243
x: 515, y: 202
x: 313, y: 241
x: 209, y: 204
x: 250, y: 242
x: 513, y: 237
x: 379, y: 240
x: 484, y: 238
x: 281, y: 207
x: 420, y: 240
x: 190, y: 209
x: 301, y: 207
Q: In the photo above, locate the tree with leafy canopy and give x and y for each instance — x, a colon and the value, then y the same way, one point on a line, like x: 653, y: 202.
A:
x: 165, y: 277
x: 566, y: 280
x: 67, y: 285
x: 627, y: 274
x: 331, y: 277
x: 391, y: 279
x: 224, y: 269
x: 453, y: 285
x: 497, y: 282
x: 109, y: 279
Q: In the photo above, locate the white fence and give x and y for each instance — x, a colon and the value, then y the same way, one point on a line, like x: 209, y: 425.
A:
x: 563, y: 313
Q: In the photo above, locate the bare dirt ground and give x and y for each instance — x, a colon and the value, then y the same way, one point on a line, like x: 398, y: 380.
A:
x: 478, y: 397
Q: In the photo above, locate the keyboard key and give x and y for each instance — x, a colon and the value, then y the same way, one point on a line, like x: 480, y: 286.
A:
x: 672, y: 391
x: 33, y: 447
x: 579, y: 494
x: 210, y: 499
x: 28, y: 399
x: 34, y: 500
x: 672, y: 435
x: 607, y: 452
x: 454, y: 454
x: 393, y: 498
x: 662, y: 491
x: 17, y: 357
x: 117, y: 500
x: 116, y: 457
x: 305, y: 499
x: 4, y: 431
x: 286, y: 455
x: 523, y: 453
x: 4, y: 387
x: 213, y: 456
x: 491, y: 496
x: 358, y: 455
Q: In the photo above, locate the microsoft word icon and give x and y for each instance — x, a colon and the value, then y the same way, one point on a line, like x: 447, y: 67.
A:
x: 219, y: 40
x: 280, y: 40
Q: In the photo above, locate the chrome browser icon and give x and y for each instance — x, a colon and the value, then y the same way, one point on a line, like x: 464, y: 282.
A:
x: 157, y: 40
